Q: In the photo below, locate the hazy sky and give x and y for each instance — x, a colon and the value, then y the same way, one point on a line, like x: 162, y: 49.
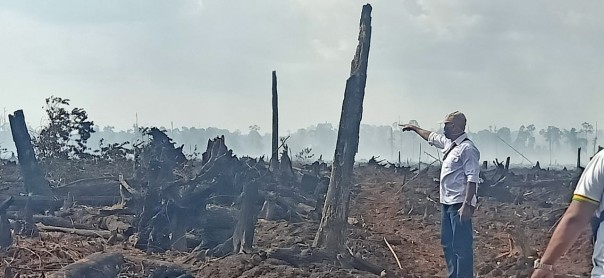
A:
x: 208, y: 62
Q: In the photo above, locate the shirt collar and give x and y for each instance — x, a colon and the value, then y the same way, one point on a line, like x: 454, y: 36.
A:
x: 461, y: 138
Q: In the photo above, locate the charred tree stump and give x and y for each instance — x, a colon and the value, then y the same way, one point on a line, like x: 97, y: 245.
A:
x: 6, y: 237
x: 178, y: 227
x: 351, y: 261
x: 98, y: 265
x: 68, y: 202
x: 537, y: 166
x: 159, y: 160
x: 33, y: 177
x: 218, y: 164
x: 243, y: 236
x: 29, y: 226
x: 285, y: 167
x: 5, y: 204
x: 154, y: 225
x: 274, y: 162
x: 332, y: 230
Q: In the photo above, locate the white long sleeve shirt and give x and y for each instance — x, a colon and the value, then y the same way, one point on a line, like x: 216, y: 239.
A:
x: 462, y: 164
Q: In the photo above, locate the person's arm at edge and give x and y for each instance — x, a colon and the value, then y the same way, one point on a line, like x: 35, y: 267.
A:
x: 577, y: 216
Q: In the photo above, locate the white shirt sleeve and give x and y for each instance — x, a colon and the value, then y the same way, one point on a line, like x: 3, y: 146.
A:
x: 471, y: 164
x: 438, y: 140
x: 591, y: 184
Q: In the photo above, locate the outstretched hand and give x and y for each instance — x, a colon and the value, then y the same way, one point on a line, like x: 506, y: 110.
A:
x: 407, y: 127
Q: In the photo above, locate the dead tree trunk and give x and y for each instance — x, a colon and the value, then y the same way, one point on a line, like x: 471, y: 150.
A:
x: 578, y: 157
x: 243, y: 236
x: 274, y: 163
x: 98, y: 265
x: 33, y: 178
x: 332, y: 230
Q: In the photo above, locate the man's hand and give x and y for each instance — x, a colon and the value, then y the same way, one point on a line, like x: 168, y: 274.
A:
x: 542, y: 273
x: 425, y: 134
x: 465, y: 212
x: 407, y: 127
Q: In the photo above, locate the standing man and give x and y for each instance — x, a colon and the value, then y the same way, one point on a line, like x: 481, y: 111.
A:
x: 458, y: 179
x: 587, y: 201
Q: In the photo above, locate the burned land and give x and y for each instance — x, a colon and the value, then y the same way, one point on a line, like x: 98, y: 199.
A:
x: 166, y: 215
x: 147, y: 209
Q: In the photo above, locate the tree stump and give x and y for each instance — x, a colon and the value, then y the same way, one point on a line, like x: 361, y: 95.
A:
x: 33, y: 178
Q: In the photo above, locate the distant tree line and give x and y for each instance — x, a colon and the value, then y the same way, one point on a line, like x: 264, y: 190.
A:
x: 69, y: 133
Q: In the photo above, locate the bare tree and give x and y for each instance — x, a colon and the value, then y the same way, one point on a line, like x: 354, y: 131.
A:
x: 332, y: 230
x: 274, y: 163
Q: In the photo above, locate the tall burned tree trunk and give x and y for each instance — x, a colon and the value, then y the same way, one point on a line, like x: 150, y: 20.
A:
x: 332, y: 230
x: 578, y: 157
x: 274, y: 163
x: 34, y: 180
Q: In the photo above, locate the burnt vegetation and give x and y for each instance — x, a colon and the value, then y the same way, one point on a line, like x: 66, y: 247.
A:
x: 156, y: 205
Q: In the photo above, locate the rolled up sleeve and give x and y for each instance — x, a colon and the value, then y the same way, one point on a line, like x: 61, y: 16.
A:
x: 438, y: 140
x: 591, y: 184
x: 471, y: 164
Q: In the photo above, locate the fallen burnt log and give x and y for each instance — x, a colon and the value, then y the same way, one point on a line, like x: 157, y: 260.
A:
x: 163, y: 268
x: 89, y: 233
x: 394, y: 167
x: 98, y: 265
x: 347, y: 260
x: 101, y: 186
x: 51, y: 221
x: 298, y: 257
x: 44, y: 203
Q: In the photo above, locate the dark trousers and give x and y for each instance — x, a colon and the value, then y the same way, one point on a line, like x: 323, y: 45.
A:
x: 457, y: 242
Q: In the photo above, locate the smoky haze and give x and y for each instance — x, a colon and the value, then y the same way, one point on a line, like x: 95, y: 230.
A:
x: 202, y: 63
x: 384, y: 142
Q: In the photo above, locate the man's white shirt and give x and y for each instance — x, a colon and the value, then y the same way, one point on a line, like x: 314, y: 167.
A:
x: 461, y: 165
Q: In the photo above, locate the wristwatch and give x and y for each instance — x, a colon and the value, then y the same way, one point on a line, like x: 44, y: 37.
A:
x: 539, y: 265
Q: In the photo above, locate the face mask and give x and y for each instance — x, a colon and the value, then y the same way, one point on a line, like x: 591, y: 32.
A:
x: 451, y: 132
